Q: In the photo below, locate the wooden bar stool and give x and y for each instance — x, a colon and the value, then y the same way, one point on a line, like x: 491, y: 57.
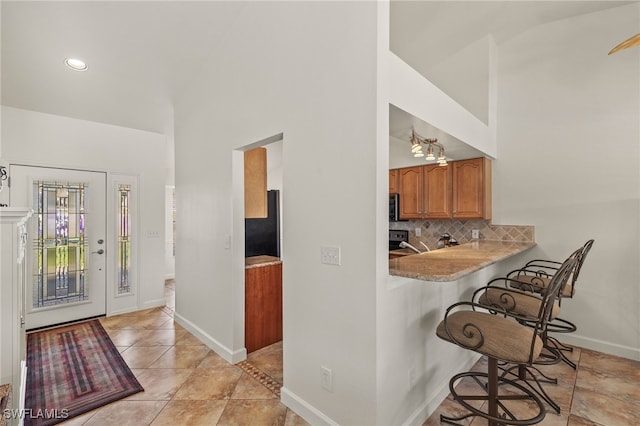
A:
x: 501, y: 336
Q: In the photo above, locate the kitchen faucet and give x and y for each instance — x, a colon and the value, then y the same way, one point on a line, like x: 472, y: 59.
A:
x: 404, y: 244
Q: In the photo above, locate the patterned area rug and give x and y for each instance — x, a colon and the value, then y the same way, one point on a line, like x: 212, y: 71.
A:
x: 72, y: 370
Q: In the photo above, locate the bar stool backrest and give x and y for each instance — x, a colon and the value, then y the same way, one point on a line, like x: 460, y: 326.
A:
x: 552, y: 293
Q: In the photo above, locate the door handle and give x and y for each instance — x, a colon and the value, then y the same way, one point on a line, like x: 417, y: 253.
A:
x: 99, y: 251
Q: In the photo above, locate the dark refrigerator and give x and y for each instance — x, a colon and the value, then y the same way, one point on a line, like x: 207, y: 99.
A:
x: 262, y: 236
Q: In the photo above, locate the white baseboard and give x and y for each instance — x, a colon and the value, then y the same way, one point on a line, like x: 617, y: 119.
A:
x: 424, y: 411
x: 154, y: 303
x: 599, y: 345
x: 308, y: 412
x: 123, y: 311
x: 226, y: 353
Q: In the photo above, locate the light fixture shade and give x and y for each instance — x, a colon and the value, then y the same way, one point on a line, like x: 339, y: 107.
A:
x: 430, y: 155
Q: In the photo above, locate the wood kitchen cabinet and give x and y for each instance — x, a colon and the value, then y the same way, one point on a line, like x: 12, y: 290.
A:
x: 437, y: 192
x: 255, y: 183
x: 460, y: 190
x: 262, y: 302
x: 410, y: 188
x: 393, y: 181
x: 472, y: 188
x: 425, y: 192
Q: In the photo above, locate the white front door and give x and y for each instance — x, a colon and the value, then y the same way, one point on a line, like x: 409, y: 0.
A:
x: 67, y: 273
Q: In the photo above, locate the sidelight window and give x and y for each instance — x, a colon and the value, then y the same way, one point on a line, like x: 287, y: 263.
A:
x: 124, y: 239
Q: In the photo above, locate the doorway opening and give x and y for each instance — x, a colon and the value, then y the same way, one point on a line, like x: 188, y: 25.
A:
x: 262, y: 199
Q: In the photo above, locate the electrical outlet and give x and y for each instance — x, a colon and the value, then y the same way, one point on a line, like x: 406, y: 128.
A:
x: 418, y: 232
x: 326, y: 377
x: 330, y: 255
x: 475, y: 234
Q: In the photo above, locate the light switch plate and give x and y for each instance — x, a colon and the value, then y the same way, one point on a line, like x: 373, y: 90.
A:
x: 326, y: 378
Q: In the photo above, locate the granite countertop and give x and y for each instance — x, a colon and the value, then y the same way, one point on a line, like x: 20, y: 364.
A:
x: 453, y: 263
x: 258, y: 261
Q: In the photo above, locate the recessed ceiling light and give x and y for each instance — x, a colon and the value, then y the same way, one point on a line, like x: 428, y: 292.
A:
x: 75, y: 64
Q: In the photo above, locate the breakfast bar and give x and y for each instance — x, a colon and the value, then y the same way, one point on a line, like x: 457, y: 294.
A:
x: 418, y: 290
x: 456, y: 262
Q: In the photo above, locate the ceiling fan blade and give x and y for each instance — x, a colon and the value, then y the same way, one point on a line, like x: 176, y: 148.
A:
x: 630, y: 42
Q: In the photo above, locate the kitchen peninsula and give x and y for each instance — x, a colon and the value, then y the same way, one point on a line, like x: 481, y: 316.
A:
x: 456, y: 262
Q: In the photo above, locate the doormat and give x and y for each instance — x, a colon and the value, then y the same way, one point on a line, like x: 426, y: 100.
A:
x: 72, y: 370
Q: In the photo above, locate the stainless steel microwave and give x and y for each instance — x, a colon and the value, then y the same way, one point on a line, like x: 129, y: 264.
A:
x: 394, y: 207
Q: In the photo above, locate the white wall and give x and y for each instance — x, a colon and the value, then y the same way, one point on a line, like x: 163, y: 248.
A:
x: 306, y: 70
x: 33, y: 138
x: 465, y: 77
x: 568, y: 162
x: 411, y: 92
x: 169, y: 257
x: 408, y: 345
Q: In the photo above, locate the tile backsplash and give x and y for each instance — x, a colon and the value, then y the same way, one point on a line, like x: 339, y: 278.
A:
x: 430, y: 231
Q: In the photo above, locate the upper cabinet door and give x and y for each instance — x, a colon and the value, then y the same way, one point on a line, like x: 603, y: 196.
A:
x: 255, y: 183
x: 472, y: 189
x: 393, y: 181
x: 410, y: 189
x: 437, y: 185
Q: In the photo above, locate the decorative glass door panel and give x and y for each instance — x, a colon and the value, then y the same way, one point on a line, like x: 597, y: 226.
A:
x: 68, y: 274
x: 124, y: 239
x: 60, y: 244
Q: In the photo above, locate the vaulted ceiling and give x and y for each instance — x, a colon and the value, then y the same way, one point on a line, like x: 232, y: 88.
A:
x: 142, y: 54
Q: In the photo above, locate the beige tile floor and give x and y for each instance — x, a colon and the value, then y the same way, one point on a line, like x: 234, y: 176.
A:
x: 188, y: 384
x: 604, y: 390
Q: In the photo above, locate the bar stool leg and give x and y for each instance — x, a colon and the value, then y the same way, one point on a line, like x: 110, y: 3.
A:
x: 493, y: 390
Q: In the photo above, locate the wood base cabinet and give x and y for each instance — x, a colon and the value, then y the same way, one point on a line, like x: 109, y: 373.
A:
x: 263, y: 306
